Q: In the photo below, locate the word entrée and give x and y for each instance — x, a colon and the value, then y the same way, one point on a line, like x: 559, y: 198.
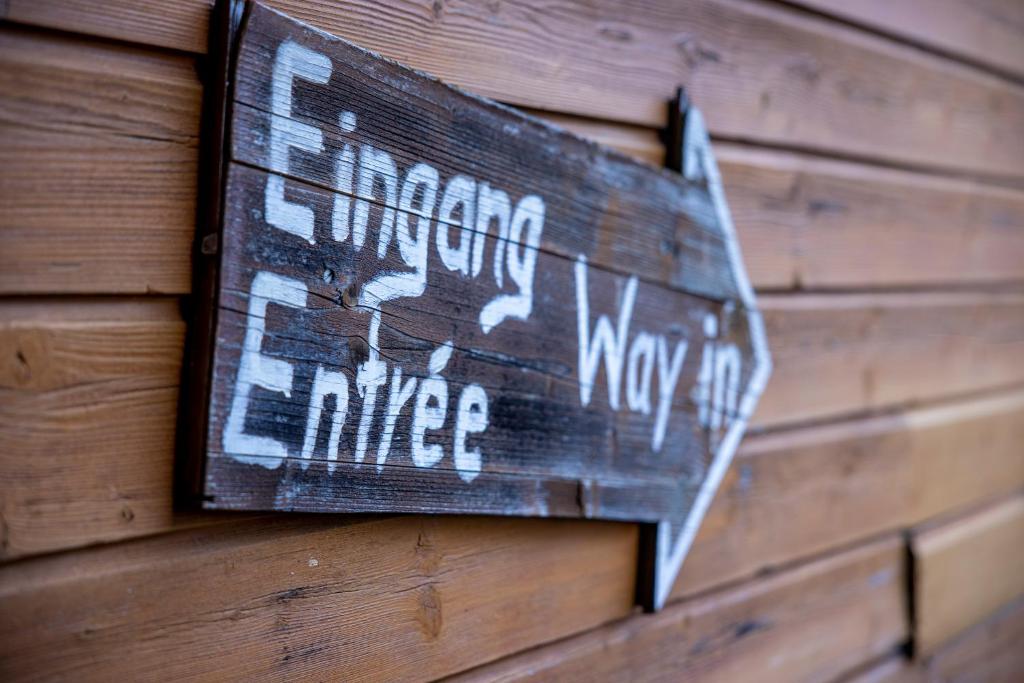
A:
x: 463, y: 202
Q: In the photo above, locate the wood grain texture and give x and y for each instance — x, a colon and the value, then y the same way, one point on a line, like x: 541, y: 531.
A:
x: 553, y: 441
x: 57, y: 494
x: 590, y: 194
x: 180, y: 25
x: 313, y: 597
x: 811, y: 623
x: 836, y: 355
x: 115, y: 213
x: 87, y: 388
x: 989, y: 32
x: 894, y: 669
x: 990, y: 652
x: 98, y: 153
x: 966, y: 569
x: 759, y: 72
x: 795, y: 493
x: 88, y: 394
x: 806, y: 222
x: 809, y: 223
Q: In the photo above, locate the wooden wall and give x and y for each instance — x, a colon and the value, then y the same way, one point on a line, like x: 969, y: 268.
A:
x: 873, y: 154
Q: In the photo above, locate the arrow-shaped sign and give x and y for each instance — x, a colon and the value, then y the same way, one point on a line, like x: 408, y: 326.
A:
x: 421, y: 301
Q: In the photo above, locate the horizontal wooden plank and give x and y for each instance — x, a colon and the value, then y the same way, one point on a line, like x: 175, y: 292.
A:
x: 894, y: 669
x: 315, y: 597
x: 809, y: 223
x: 88, y: 395
x: 88, y: 413
x: 795, y: 493
x: 965, y: 569
x: 98, y: 156
x: 990, y: 651
x: 88, y: 406
x: 622, y: 215
x: 744, y: 511
x: 87, y: 212
x: 810, y: 623
x: 177, y: 25
x: 759, y: 72
x: 842, y: 354
x: 989, y: 32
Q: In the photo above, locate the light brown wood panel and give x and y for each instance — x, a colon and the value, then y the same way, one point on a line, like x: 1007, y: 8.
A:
x: 99, y: 189
x: 759, y: 72
x: 98, y: 154
x: 894, y: 669
x: 810, y: 623
x: 181, y: 25
x: 810, y: 223
x: 313, y: 598
x: 88, y: 394
x: 842, y: 354
x: 989, y: 32
x: 989, y: 652
x: 966, y: 569
x: 794, y: 493
x: 88, y: 412
x: 114, y: 212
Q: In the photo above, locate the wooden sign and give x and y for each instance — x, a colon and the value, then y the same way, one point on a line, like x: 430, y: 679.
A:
x: 423, y: 301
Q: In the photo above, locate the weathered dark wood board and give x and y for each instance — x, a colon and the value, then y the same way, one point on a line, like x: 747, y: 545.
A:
x: 534, y: 416
x: 427, y: 302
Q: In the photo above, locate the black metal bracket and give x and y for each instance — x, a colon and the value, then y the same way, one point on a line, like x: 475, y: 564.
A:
x: 672, y: 137
x: 199, y: 312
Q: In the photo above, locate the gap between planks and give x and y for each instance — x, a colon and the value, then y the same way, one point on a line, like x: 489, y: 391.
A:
x: 793, y: 211
x: 858, y: 51
x: 594, y: 644
x: 982, y: 51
